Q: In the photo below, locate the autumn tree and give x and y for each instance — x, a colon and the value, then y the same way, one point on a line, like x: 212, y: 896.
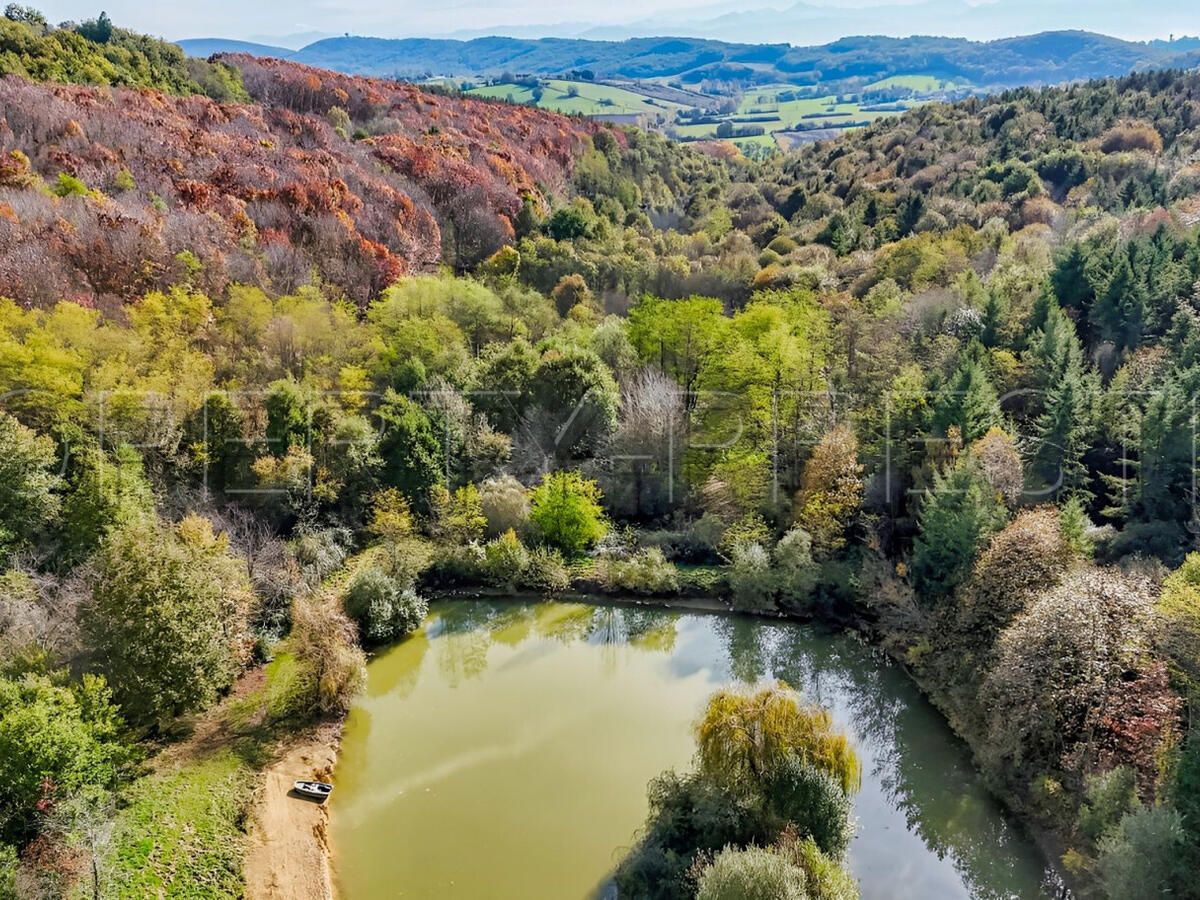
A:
x: 743, y: 737
x: 27, y: 483
x: 830, y: 492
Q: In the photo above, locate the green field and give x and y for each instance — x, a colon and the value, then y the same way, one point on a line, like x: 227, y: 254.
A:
x: 758, y: 107
x: 926, y: 84
x: 590, y: 99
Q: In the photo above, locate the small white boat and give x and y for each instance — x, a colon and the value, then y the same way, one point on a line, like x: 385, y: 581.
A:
x: 316, y: 790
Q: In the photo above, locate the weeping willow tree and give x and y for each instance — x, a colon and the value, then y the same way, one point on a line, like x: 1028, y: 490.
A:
x: 743, y: 737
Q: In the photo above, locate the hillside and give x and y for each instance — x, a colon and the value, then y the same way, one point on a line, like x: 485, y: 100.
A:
x: 96, y: 52
x: 846, y: 64
x: 262, y: 193
x: 277, y: 373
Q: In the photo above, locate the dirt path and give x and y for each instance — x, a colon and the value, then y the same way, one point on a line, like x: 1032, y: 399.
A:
x: 287, y: 856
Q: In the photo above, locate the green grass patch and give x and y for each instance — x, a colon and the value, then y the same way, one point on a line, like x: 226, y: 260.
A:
x: 927, y: 84
x: 182, y: 833
x: 590, y: 99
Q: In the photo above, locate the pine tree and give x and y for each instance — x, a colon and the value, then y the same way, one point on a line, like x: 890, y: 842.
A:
x: 969, y: 402
x: 955, y: 519
x: 1120, y: 309
x: 1062, y: 433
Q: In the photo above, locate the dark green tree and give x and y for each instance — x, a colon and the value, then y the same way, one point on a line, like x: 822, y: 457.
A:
x: 954, y: 520
x: 413, y: 455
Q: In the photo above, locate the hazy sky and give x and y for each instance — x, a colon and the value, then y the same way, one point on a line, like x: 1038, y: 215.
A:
x: 403, y: 18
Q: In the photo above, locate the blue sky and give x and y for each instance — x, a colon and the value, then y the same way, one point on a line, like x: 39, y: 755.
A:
x: 815, y: 21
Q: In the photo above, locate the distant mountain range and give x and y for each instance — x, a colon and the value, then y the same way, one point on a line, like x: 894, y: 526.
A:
x: 1044, y: 58
x: 798, y: 22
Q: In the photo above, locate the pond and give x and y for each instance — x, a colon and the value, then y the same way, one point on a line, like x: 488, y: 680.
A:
x: 503, y: 751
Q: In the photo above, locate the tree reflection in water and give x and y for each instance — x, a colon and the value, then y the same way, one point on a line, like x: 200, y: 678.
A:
x: 919, y: 769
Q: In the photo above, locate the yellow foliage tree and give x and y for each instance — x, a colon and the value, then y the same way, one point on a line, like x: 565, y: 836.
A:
x: 743, y: 737
x: 830, y: 492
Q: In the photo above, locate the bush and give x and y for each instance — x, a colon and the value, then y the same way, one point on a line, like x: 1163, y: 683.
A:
x: 319, y: 552
x: 1028, y: 556
x: 1131, y: 136
x: 505, y: 560
x: 8, y: 872
x: 1107, y: 798
x: 751, y: 874
x: 565, y: 510
x: 505, y: 504
x: 803, y: 794
x: 1145, y: 856
x: 1179, y: 610
x: 167, y: 619
x: 54, y: 740
x: 383, y: 609
x: 752, y: 584
x: 456, y: 564
x: 826, y: 879
x: 795, y: 570
x: 546, y: 572
x: 646, y: 572
x: 323, y: 640
x: 1057, y: 662
x: 688, y: 815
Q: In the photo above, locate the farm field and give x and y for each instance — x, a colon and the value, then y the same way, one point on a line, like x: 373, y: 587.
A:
x: 589, y: 99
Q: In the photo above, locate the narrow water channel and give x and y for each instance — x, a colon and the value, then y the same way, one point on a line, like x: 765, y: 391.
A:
x: 503, y: 751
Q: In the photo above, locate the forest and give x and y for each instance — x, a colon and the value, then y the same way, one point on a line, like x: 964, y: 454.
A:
x: 281, y: 362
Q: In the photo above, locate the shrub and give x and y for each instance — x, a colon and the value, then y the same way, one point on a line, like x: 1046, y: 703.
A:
x: 795, y: 570
x: 803, y: 794
x: 27, y: 483
x: 8, y: 872
x: 323, y: 639
x: 826, y: 879
x: 751, y: 874
x: 1179, y: 610
x: 383, y: 609
x: 1057, y: 662
x: 460, y: 564
x: 566, y: 513
x: 319, y: 553
x: 546, y: 572
x: 1107, y: 798
x: 688, y: 815
x: 505, y: 504
x: 457, y: 516
x: 646, y: 572
x: 1144, y: 856
x: 1131, y: 136
x: 167, y: 616
x: 1028, y: 556
x: 54, y: 740
x: 69, y: 186
x: 752, y: 584
x: 505, y: 560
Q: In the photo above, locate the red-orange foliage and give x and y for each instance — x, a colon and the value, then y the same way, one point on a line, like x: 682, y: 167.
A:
x: 264, y: 193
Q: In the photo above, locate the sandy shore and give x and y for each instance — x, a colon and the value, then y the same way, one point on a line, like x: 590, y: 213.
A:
x: 287, y: 856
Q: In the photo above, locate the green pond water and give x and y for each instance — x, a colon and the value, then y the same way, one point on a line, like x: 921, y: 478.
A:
x: 503, y: 751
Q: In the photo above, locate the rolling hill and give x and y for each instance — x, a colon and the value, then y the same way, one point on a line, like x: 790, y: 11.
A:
x: 846, y: 64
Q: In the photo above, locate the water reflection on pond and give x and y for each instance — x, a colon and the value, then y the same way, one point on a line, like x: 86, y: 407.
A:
x: 504, y: 750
